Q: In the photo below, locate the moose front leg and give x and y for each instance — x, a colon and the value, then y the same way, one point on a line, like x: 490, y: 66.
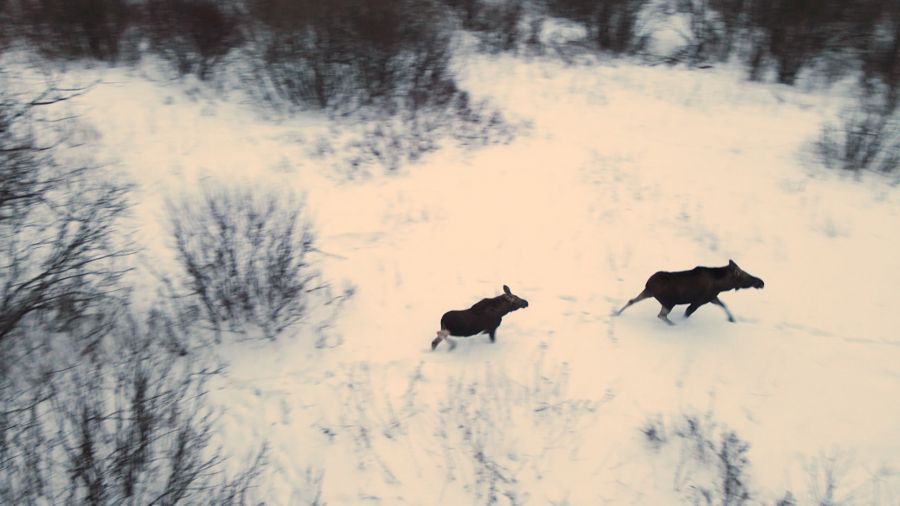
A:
x: 721, y: 304
x: 493, y: 334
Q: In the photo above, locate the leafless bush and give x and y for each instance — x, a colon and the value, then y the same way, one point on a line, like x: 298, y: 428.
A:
x: 58, y: 254
x: 121, y: 423
x: 713, y: 460
x: 393, y: 141
x: 713, y: 28
x: 93, y: 410
x: 70, y: 29
x: 867, y: 138
x: 655, y: 432
x: 495, y: 23
x: 245, y: 259
x: 195, y: 35
x: 613, y: 25
x: 480, y: 424
x: 786, y: 500
x: 348, y: 54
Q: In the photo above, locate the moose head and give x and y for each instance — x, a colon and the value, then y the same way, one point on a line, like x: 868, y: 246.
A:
x: 514, y: 302
x: 738, y: 278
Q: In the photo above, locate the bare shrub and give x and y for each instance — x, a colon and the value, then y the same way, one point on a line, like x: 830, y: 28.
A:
x: 121, y: 423
x: 713, y: 28
x: 881, y: 51
x: 479, y: 423
x: 93, y: 410
x: 655, y: 433
x: 195, y: 35
x: 713, y: 460
x: 70, y: 29
x: 786, y: 500
x: 349, y: 54
x: 867, y: 138
x: 244, y: 256
x: 497, y: 24
x: 393, y: 141
x: 58, y: 254
x: 613, y: 25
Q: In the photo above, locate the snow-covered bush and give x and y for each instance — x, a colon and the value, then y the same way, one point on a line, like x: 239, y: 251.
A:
x: 195, y: 35
x: 71, y: 29
x: 712, y: 460
x: 93, y: 409
x: 57, y: 250
x: 867, y: 137
x: 496, y: 23
x: 244, y: 259
x: 348, y: 54
x: 122, y: 422
x: 613, y: 25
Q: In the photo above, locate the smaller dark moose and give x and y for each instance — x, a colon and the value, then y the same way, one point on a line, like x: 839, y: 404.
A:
x: 695, y: 287
x: 484, y: 316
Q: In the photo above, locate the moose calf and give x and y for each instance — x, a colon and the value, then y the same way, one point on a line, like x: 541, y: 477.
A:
x: 695, y: 287
x: 484, y: 316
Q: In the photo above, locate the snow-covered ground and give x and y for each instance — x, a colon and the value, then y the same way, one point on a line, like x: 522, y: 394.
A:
x: 625, y: 170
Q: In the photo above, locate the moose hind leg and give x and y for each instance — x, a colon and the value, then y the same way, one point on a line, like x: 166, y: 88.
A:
x: 664, y: 314
x: 693, y: 307
x: 722, y: 305
x: 442, y: 335
x: 493, y: 334
x: 641, y: 296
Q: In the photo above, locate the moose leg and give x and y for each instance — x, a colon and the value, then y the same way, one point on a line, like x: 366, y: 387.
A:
x: 641, y: 296
x: 442, y: 335
x: 493, y: 334
x: 664, y: 314
x: 437, y: 340
x: 693, y: 307
x: 721, y: 304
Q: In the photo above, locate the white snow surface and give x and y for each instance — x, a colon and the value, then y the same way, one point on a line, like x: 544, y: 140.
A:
x: 625, y: 171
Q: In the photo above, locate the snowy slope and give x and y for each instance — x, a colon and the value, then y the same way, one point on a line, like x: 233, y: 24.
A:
x: 626, y: 170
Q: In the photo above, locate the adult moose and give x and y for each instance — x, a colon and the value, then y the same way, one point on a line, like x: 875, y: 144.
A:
x: 695, y: 287
x: 484, y: 316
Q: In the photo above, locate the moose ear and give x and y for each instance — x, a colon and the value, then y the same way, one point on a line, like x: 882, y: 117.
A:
x: 506, y: 290
x: 731, y: 263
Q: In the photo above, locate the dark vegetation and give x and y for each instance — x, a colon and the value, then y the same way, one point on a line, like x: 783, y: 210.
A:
x: 327, y: 52
x: 713, y: 468
x: 102, y: 398
x: 245, y: 261
x: 393, y: 59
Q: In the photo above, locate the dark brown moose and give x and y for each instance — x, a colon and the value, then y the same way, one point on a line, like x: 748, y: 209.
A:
x: 484, y: 316
x: 695, y: 287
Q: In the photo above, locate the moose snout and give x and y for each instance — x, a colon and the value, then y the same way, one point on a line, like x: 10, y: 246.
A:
x: 758, y: 284
x: 524, y: 303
